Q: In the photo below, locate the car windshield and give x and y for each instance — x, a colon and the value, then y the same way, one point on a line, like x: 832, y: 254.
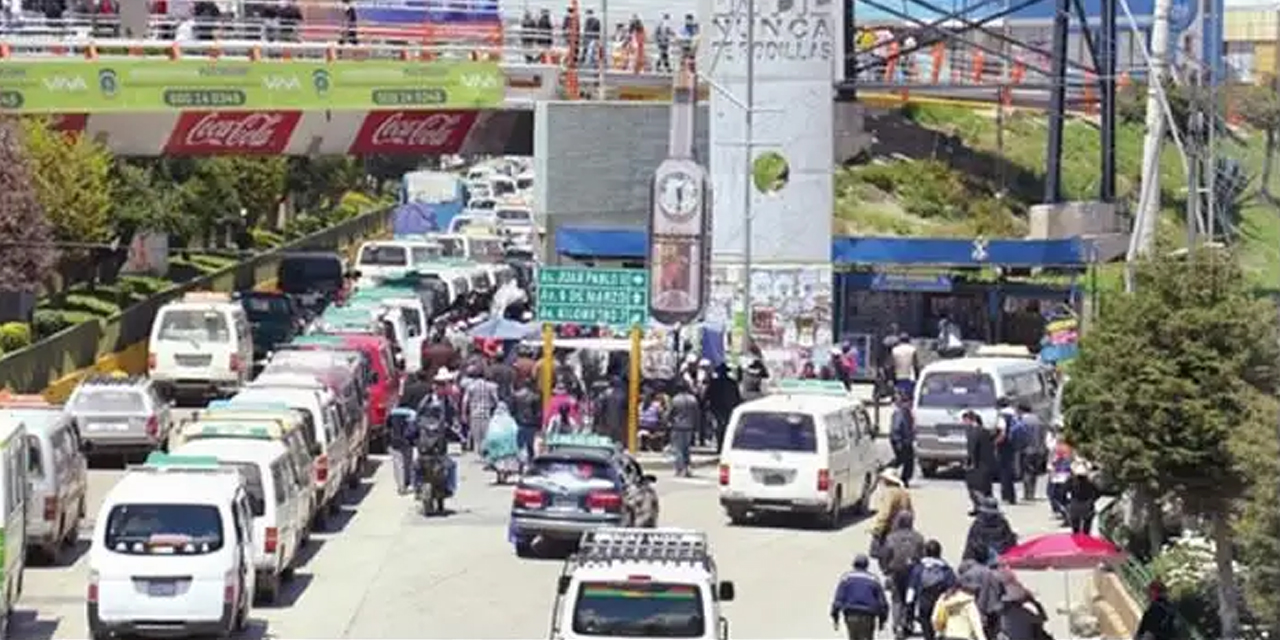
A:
x: 267, y: 308
x: 194, y: 325
x: 164, y: 529
x: 957, y: 390
x: 514, y: 216
x: 252, y: 485
x: 569, y: 468
x: 300, y: 274
x: 423, y: 255
x: 452, y: 248
x: 384, y: 256
x: 775, y: 431
x: 639, y: 610
x: 109, y: 401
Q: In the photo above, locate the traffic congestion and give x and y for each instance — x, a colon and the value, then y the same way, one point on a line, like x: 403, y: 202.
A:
x: 384, y: 448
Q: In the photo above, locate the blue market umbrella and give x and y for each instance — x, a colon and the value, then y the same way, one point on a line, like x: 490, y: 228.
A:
x: 502, y: 329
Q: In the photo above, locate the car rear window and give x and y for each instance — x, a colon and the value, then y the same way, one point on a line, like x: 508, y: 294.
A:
x: 384, y: 256
x: 957, y: 390
x: 300, y: 274
x: 514, y: 215
x: 562, y: 467
x: 252, y: 485
x: 267, y: 308
x: 109, y: 401
x: 164, y: 529
x: 194, y: 325
x: 775, y: 431
x: 452, y: 247
x: 639, y: 610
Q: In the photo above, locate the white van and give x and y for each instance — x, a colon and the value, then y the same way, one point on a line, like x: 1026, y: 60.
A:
x: 57, y: 479
x: 200, y: 346
x: 339, y: 455
x: 803, y: 450
x: 392, y: 258
x: 276, y: 499
x: 172, y: 552
x: 465, y: 246
x: 323, y: 408
x: 949, y: 388
x: 13, y: 486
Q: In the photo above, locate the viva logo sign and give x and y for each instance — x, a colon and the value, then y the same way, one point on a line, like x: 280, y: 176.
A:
x: 65, y: 83
x: 281, y: 83
x: 479, y: 81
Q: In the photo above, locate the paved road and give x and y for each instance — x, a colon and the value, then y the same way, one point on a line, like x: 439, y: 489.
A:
x: 389, y: 573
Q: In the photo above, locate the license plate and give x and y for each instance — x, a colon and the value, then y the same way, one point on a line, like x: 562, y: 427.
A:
x: 775, y: 479
x: 162, y: 589
x: 108, y: 426
x: 565, y: 502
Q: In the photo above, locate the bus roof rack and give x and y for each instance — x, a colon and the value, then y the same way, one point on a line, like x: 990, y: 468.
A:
x: 609, y: 544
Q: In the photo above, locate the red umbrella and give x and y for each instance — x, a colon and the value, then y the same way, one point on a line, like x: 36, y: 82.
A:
x: 1062, y: 552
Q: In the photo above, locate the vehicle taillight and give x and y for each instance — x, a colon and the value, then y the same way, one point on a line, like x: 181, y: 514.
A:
x: 237, y: 364
x: 604, y: 500
x: 153, y: 427
x: 529, y: 498
x: 271, y: 540
x: 724, y: 475
x: 50, y: 508
x: 92, y: 594
x: 824, y: 480
x: 151, y: 360
x: 229, y: 588
x: 322, y: 469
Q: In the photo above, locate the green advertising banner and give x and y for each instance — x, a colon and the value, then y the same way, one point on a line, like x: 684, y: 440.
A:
x: 80, y: 86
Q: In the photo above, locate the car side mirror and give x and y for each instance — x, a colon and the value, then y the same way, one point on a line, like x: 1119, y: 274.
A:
x: 726, y: 595
x: 650, y: 478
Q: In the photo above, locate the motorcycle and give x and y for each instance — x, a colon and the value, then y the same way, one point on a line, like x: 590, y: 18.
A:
x: 436, y: 470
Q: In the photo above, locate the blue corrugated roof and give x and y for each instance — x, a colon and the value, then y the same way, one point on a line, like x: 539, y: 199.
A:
x: 627, y: 243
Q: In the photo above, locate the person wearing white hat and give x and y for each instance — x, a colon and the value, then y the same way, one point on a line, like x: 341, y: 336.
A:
x: 893, y: 499
x: 1081, y: 494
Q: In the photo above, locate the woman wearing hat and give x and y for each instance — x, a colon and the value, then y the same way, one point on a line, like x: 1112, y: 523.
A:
x: 894, y: 499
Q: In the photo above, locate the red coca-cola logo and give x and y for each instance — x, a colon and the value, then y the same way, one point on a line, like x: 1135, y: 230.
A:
x: 425, y: 132
x: 253, y: 132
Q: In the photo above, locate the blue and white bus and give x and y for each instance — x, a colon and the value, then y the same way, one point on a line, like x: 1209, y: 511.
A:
x: 429, y: 201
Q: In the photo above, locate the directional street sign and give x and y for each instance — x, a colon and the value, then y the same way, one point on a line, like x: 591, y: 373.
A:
x: 615, y: 297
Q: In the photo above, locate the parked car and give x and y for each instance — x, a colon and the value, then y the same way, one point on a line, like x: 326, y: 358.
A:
x: 120, y: 415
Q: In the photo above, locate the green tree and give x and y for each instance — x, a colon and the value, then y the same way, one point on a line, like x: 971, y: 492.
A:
x: 1165, y: 388
x: 211, y: 198
x: 25, y: 234
x: 1260, y: 109
x: 317, y: 183
x: 72, y: 178
x: 261, y: 182
x: 145, y: 201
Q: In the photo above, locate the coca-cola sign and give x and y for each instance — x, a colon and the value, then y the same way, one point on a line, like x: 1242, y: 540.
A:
x: 416, y: 132
x: 218, y: 132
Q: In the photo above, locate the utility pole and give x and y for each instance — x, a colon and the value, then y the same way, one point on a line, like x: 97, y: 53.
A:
x: 1149, y: 200
x: 748, y: 182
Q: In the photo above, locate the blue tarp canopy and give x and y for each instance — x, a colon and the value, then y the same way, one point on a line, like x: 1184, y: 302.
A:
x: 940, y: 252
x: 413, y: 218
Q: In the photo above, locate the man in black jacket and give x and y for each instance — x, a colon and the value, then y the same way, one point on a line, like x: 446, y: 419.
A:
x: 611, y: 411
x: 980, y: 464
x: 417, y: 388
x: 723, y: 396
x: 526, y: 410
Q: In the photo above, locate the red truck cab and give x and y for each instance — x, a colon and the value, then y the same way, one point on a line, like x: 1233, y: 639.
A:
x: 384, y: 388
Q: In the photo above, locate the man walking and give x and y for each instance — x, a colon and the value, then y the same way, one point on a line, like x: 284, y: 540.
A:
x: 683, y: 416
x: 980, y: 462
x: 663, y: 34
x: 902, y: 438
x: 906, y: 365
x: 860, y: 600
x: 479, y: 401
x: 902, y: 549
x: 1035, y: 449
x: 526, y: 409
x: 1008, y: 445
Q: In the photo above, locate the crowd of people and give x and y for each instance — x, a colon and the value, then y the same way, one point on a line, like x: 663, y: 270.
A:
x: 582, y: 38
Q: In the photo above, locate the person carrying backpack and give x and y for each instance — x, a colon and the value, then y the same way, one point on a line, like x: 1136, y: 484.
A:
x: 902, y: 549
x: 930, y: 579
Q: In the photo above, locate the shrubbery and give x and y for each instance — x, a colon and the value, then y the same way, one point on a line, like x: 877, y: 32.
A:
x: 14, y: 336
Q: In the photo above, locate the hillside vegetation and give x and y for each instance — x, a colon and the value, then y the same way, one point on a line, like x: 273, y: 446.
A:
x: 953, y: 171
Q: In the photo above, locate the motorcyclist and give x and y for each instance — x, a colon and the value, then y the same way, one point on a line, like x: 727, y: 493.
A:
x: 434, y: 462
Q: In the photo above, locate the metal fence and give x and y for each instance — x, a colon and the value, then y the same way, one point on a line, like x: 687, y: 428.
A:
x: 35, y: 368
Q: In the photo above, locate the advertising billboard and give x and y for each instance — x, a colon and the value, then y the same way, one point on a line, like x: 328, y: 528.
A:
x: 44, y: 86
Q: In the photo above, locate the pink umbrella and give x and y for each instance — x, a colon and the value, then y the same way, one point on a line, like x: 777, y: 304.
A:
x: 1062, y: 552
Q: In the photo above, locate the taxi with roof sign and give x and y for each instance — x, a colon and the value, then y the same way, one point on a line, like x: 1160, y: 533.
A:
x: 632, y: 583
x: 807, y: 448
x: 247, y: 427
x: 172, y: 552
x: 200, y: 346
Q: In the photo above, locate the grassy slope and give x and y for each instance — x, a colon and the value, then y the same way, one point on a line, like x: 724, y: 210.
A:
x: 863, y: 208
